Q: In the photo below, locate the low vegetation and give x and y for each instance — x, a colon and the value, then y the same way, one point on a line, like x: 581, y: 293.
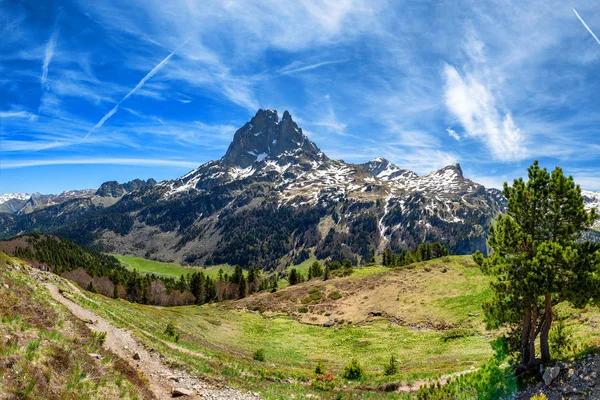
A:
x: 47, y: 353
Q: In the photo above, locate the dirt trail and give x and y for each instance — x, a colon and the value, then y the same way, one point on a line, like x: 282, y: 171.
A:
x: 162, y: 378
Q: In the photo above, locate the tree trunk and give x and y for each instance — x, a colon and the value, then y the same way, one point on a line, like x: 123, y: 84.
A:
x: 544, y: 346
x: 532, y: 334
x: 525, y: 332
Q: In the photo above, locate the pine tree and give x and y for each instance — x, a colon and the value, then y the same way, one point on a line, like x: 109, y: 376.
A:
x: 293, y: 277
x: 536, y: 262
x: 327, y: 273
x: 242, y: 288
x: 315, y: 270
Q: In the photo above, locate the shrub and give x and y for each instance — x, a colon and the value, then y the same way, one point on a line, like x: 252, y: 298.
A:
x: 353, y: 370
x: 456, y: 333
x: 390, y: 368
x: 99, y: 337
x: 303, y: 310
x: 559, y: 338
x: 170, y: 329
x: 259, y: 355
x: 334, y: 295
x: 319, y: 368
x: 316, y: 295
x: 325, y: 381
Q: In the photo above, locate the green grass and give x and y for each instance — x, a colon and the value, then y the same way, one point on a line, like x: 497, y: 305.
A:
x: 449, y: 289
x: 168, y: 269
x: 304, y: 265
x: 49, y: 346
x: 294, y: 347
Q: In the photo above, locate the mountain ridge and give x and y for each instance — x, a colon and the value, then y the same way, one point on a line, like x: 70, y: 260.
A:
x: 272, y: 199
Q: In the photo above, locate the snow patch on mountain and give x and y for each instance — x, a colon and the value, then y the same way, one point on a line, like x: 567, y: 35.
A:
x: 13, y: 196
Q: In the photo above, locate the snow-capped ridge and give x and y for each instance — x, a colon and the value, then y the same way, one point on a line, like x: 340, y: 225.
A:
x: 13, y: 196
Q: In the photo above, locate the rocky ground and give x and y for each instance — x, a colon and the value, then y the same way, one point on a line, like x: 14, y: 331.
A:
x: 580, y: 380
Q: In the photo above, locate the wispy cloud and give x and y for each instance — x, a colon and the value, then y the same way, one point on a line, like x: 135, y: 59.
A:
x: 149, y: 75
x: 475, y: 107
x: 18, y: 114
x: 587, y: 27
x: 48, y: 54
x: 331, y: 123
x: 147, y: 162
x: 453, y: 133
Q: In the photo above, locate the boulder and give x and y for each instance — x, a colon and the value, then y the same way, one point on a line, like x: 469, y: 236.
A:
x: 550, y: 375
x: 178, y: 392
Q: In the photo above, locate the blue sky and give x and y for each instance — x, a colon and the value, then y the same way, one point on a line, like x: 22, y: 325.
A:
x: 100, y: 90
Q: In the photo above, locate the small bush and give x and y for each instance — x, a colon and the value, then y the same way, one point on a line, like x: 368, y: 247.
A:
x: 353, y: 370
x: 170, y: 329
x: 306, y: 300
x: 559, y: 338
x: 334, y: 295
x: 456, y: 333
x: 316, y: 295
x: 320, y: 368
x: 259, y: 355
x: 325, y: 381
x: 390, y: 368
x: 31, y: 348
x: 303, y: 310
x: 99, y: 338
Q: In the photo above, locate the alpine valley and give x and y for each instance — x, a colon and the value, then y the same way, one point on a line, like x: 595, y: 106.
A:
x: 273, y: 199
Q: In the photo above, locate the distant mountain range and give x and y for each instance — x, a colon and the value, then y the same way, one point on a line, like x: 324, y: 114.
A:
x: 274, y: 198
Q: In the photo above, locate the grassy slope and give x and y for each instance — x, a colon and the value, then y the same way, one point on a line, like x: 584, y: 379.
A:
x: 161, y: 268
x: 44, y: 351
x: 230, y: 333
x: 418, y: 304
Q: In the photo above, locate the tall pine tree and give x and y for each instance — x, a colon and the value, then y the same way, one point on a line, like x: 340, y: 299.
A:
x: 536, y: 262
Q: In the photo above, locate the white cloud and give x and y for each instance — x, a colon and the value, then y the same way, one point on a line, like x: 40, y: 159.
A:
x: 453, y: 133
x: 475, y: 107
x: 331, y: 123
x: 48, y: 54
x: 146, y: 162
x: 18, y: 114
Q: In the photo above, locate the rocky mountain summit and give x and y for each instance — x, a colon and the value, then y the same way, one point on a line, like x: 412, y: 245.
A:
x: 13, y: 202
x: 272, y: 199
x: 116, y: 189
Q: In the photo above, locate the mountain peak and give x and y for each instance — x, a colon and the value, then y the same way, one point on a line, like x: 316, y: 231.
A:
x: 265, y: 136
x: 449, y: 170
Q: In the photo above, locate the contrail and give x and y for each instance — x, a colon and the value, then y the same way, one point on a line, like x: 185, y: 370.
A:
x: 149, y: 75
x: 586, y: 27
x: 287, y: 70
x: 49, y: 53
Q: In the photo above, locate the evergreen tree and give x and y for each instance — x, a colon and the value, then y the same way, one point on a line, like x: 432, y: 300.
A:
x: 293, y: 278
x: 327, y: 273
x: 242, y: 288
x: 315, y: 270
x: 536, y: 262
